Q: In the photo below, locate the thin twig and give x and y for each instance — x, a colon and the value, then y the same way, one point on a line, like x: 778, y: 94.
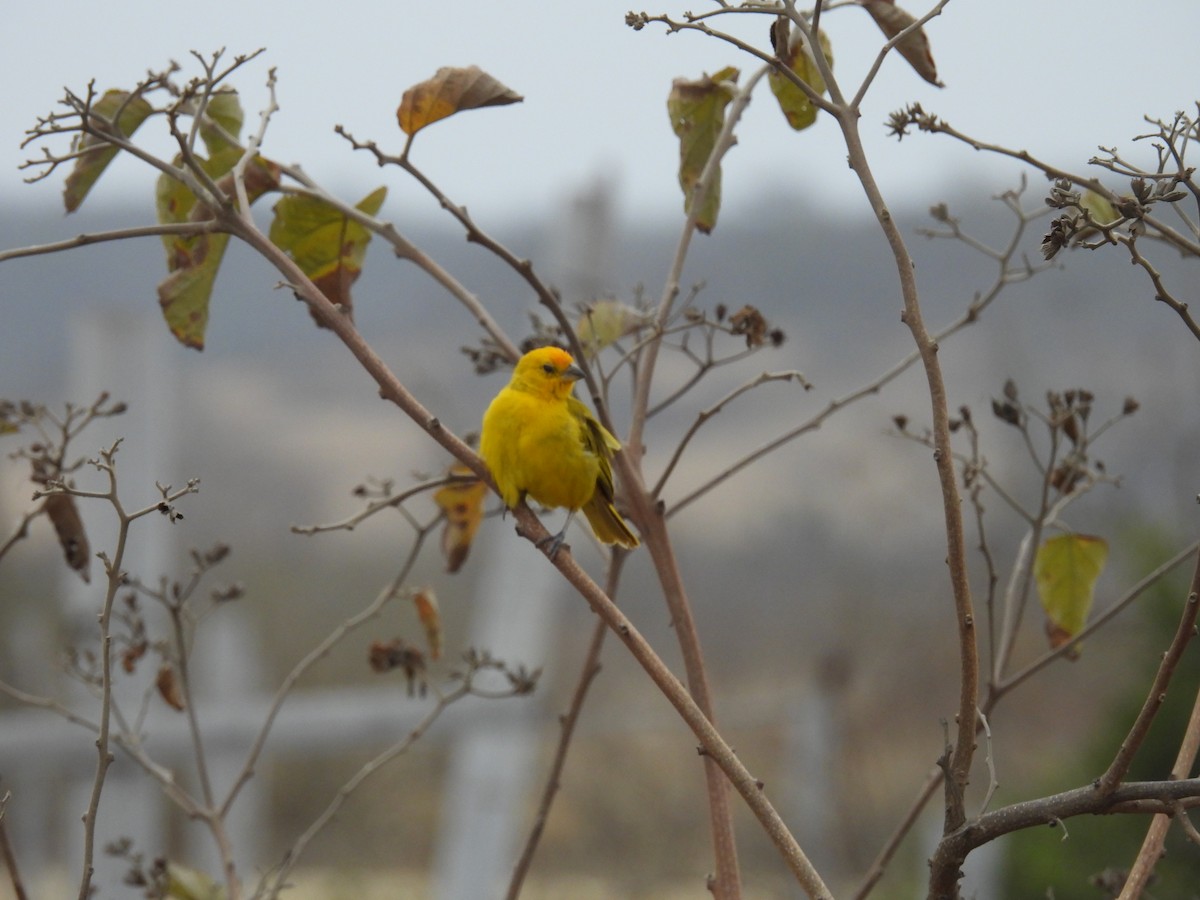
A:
x: 397, y: 500
x: 253, y: 144
x: 705, y: 414
x: 104, y: 756
x: 1116, y: 772
x: 1008, y: 274
x: 317, y: 653
x: 1152, y: 847
x: 280, y: 874
x: 1160, y: 289
x: 475, y: 234
x: 8, y: 854
x: 993, y: 781
x: 118, y: 234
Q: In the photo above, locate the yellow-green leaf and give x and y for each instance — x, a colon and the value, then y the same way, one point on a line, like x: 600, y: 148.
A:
x: 1099, y: 207
x: 193, y: 260
x: 325, y: 243
x: 697, y: 111
x: 606, y: 322
x: 191, y: 884
x: 185, y: 293
x: 450, y: 90
x: 1066, y: 569
x: 795, y: 104
x: 124, y: 111
x: 225, y: 111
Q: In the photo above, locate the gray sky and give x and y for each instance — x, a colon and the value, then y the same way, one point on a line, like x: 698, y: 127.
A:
x: 1055, y: 76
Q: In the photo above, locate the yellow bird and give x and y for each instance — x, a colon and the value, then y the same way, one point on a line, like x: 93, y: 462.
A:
x: 540, y: 441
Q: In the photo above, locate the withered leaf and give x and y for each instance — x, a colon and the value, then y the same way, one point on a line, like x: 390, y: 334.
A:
x: 450, y: 90
x: 796, y: 106
x: 891, y: 20
x: 431, y: 620
x: 169, y: 689
x: 126, y: 113
x: 325, y: 243
x: 462, y: 502
x: 697, y: 113
x: 72, y: 538
x: 1066, y: 569
x: 750, y: 322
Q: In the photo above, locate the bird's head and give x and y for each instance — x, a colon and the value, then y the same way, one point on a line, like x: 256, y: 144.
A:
x: 547, y: 370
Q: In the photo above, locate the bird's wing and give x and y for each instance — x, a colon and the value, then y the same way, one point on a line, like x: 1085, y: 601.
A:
x: 598, y: 441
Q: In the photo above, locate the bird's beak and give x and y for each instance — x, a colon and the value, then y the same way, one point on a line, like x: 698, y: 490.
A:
x: 572, y: 373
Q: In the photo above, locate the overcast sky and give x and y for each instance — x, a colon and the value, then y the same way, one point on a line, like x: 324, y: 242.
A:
x: 1055, y: 76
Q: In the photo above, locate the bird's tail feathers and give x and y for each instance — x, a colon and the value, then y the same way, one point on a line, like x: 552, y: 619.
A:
x: 607, y: 523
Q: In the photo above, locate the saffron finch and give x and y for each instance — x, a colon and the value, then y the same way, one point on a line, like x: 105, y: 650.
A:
x: 539, y: 440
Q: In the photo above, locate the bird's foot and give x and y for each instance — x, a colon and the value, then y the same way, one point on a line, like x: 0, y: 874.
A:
x: 555, y: 541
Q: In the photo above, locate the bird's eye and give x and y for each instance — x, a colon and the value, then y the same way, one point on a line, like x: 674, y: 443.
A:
x: 548, y: 369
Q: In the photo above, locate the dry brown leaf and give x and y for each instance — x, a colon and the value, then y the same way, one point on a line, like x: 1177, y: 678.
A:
x: 71, y: 537
x: 462, y: 502
x: 169, y: 689
x: 891, y: 20
x: 449, y: 91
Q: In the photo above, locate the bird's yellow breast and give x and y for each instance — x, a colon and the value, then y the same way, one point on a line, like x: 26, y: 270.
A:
x: 534, y: 445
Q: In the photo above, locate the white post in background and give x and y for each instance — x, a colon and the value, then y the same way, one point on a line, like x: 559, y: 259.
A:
x: 812, y: 747
x: 226, y: 675
x: 123, y: 354
x: 492, y: 766
x: 581, y: 253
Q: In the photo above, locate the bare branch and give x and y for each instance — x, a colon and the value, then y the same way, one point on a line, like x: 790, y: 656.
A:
x: 386, y: 502
x: 319, y: 652
x: 1158, y: 691
x: 252, y: 146
x: 1152, y: 847
x: 120, y: 234
x: 1160, y: 290
x: 8, y: 854
x: 888, y: 47
x: 1010, y: 272
x: 706, y: 414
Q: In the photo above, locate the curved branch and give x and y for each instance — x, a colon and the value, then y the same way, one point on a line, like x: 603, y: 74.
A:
x: 706, y: 414
x: 1119, y: 768
x: 1152, y: 848
x: 935, y: 125
x: 117, y: 234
